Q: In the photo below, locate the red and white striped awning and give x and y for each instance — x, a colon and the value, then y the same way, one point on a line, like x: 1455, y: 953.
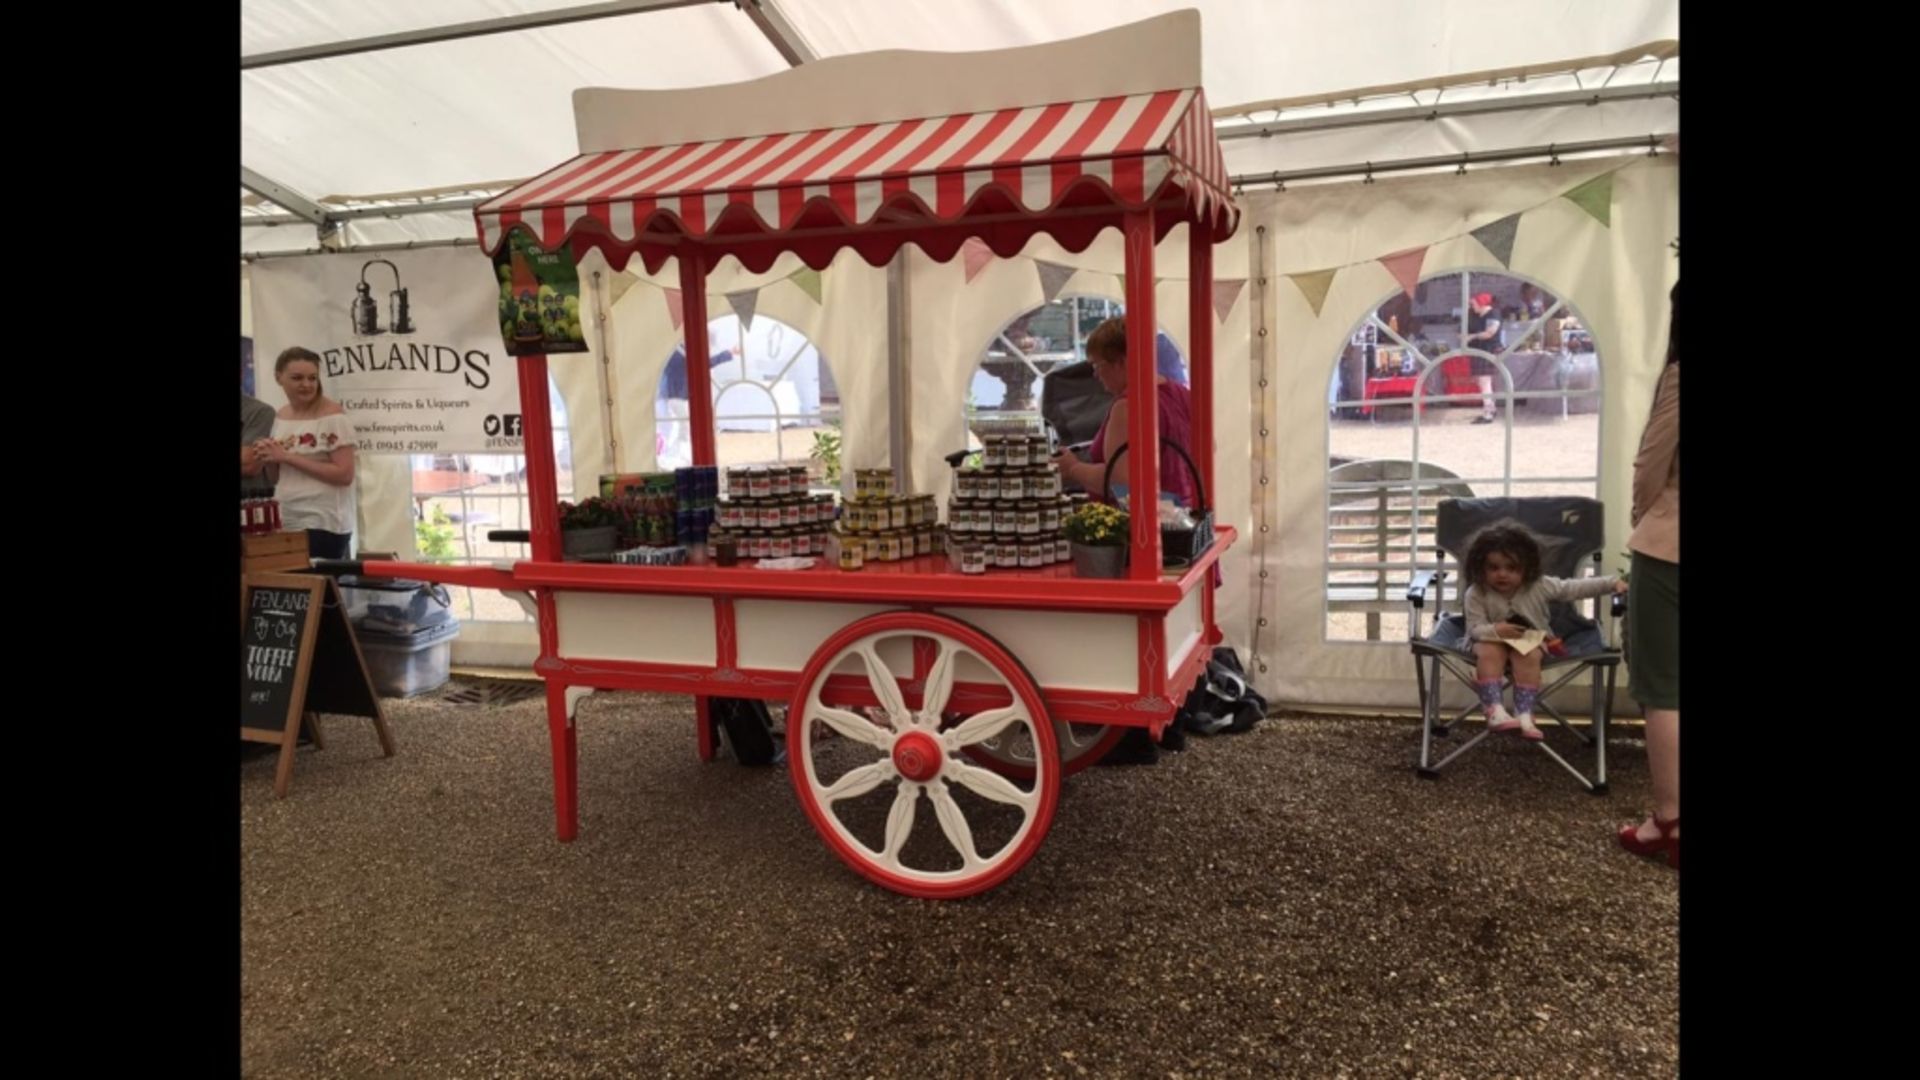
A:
x: 756, y: 193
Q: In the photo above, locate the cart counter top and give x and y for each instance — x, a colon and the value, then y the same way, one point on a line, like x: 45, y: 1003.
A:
x: 925, y: 580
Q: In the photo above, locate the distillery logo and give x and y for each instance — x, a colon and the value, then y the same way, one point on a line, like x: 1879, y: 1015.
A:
x: 473, y: 366
x: 366, y: 312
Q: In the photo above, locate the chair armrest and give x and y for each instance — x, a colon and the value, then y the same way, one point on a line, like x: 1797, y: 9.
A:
x: 1421, y: 583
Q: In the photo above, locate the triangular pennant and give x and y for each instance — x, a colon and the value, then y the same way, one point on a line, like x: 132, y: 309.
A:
x: 1314, y: 286
x: 1595, y: 197
x: 675, y: 309
x: 1053, y: 278
x: 975, y: 255
x: 617, y: 285
x: 1498, y: 238
x: 809, y: 281
x: 1405, y: 267
x: 1225, y: 295
x: 743, y: 303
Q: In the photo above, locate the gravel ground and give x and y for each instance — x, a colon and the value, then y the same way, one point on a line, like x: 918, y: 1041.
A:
x: 1292, y: 902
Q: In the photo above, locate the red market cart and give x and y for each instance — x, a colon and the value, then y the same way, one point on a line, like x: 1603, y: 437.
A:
x: 991, y: 687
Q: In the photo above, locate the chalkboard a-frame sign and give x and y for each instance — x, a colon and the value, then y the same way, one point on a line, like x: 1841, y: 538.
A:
x: 298, y: 658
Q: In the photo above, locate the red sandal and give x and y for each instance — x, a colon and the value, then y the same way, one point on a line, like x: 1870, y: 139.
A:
x: 1667, y: 845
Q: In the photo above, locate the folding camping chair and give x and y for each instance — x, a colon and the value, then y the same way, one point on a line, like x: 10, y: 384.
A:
x: 1572, y: 533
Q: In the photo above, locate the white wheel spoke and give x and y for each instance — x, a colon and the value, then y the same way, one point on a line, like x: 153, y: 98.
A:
x: 858, y: 782
x: 885, y: 687
x: 990, y: 785
x: 900, y: 823
x: 953, y: 822
x: 853, y: 726
x: 982, y: 726
x: 933, y: 701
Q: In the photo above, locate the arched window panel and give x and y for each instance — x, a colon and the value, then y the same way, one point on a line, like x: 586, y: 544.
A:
x: 775, y: 401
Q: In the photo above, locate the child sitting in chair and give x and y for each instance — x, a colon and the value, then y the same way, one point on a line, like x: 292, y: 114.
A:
x: 1507, y: 618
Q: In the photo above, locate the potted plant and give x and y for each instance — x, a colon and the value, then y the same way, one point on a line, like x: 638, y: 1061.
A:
x: 1099, y: 535
x: 589, y: 527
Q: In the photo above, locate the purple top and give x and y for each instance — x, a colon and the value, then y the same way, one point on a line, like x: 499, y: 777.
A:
x: 1176, y: 426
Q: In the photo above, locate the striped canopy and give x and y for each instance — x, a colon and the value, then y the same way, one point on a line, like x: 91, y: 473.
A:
x: 1066, y: 169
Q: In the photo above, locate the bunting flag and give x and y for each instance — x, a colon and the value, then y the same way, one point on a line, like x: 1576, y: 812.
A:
x: 975, y: 255
x: 1053, y: 278
x: 809, y: 281
x: 1405, y: 267
x: 617, y: 286
x: 1225, y: 295
x: 1595, y: 197
x: 743, y: 303
x: 1314, y: 286
x: 1498, y: 238
x: 675, y: 309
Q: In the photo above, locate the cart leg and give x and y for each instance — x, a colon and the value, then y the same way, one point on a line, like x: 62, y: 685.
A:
x: 566, y: 759
x: 703, y: 722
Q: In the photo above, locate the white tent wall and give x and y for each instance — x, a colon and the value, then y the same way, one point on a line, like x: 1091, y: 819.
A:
x: 1616, y: 277
x: 1257, y: 50
x: 494, y: 109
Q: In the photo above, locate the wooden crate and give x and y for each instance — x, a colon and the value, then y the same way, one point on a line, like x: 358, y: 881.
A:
x: 273, y: 552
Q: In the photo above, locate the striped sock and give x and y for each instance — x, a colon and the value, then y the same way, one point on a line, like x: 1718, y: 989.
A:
x: 1524, y: 698
x: 1489, y: 696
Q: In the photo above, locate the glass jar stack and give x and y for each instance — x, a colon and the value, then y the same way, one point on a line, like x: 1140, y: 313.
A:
x: 884, y: 526
x: 1005, y: 513
x: 769, y: 514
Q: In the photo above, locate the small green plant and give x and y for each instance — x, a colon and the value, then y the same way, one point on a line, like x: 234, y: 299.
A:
x: 826, y: 451
x: 590, y: 514
x: 434, y: 535
x: 1096, y: 525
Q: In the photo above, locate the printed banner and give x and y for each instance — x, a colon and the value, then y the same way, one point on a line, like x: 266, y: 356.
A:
x: 409, y: 342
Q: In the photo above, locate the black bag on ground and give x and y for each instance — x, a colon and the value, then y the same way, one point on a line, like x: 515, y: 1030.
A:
x: 1222, y: 700
x: 746, y: 729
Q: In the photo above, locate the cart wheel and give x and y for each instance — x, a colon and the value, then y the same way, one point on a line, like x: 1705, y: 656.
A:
x: 1081, y: 746
x: 985, y: 835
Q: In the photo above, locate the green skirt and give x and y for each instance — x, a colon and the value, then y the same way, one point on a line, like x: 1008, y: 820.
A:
x: 1653, y: 632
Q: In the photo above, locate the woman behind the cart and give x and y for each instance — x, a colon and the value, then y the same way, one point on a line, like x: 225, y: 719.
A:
x: 1107, y: 349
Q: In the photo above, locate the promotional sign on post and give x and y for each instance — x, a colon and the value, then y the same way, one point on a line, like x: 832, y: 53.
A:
x: 539, y: 299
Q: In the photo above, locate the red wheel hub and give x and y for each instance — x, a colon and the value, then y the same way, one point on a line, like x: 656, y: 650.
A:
x: 917, y: 755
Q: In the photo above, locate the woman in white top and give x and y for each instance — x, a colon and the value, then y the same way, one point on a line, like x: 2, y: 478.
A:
x: 312, y: 452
